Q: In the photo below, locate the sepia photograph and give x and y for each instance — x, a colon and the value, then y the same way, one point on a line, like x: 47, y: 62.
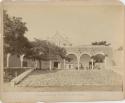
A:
x: 63, y: 48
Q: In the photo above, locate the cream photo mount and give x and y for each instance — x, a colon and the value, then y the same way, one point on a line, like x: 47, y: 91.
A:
x: 59, y: 96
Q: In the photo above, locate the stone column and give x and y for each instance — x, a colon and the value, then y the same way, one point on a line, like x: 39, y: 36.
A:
x: 92, y: 63
x: 106, y: 65
x: 64, y: 61
x: 21, y: 59
x: 59, y: 65
x: 50, y: 65
x: 8, y: 56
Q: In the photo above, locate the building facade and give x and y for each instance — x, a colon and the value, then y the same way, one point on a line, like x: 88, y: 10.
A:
x: 78, y: 57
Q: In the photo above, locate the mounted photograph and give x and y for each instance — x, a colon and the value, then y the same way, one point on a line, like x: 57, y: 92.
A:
x: 57, y: 48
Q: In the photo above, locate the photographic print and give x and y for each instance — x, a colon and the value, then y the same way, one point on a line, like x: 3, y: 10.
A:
x: 63, y: 48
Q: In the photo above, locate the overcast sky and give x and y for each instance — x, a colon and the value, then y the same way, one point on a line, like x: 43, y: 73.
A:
x: 81, y: 24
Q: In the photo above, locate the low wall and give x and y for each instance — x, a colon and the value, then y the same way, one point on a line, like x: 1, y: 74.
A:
x: 12, y: 72
x: 20, y: 77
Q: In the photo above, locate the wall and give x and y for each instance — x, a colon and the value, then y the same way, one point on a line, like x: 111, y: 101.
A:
x: 14, y: 61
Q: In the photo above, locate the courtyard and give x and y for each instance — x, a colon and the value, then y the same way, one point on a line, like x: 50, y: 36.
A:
x: 68, y: 80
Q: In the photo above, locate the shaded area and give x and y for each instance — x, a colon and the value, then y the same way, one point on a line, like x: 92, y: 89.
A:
x: 12, y: 72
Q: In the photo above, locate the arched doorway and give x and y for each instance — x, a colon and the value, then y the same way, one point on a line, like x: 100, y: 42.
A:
x: 71, y: 62
x: 84, y: 61
x: 99, y: 60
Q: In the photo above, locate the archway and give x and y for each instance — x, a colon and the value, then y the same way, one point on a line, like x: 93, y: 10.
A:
x: 71, y: 62
x: 99, y: 60
x: 84, y: 61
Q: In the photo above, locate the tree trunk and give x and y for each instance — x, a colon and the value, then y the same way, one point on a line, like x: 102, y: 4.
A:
x: 39, y: 64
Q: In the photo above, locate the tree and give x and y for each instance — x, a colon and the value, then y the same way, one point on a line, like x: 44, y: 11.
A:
x: 98, y: 58
x: 120, y: 48
x: 44, y: 50
x: 14, y: 40
x: 101, y: 43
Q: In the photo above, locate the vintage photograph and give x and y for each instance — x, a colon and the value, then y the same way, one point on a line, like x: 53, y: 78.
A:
x: 50, y: 48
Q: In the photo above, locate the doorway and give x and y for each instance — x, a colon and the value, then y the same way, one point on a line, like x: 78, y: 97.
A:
x: 55, y: 64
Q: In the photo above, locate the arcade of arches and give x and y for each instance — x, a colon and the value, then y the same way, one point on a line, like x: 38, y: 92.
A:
x: 90, y: 57
x: 73, y: 61
x: 85, y: 61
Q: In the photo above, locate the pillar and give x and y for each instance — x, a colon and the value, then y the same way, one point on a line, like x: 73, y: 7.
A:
x: 8, y: 56
x: 21, y: 59
x: 50, y: 65
x: 92, y: 63
x: 59, y: 65
x: 106, y: 62
x: 64, y: 61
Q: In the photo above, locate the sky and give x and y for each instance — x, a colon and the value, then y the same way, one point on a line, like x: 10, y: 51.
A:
x: 80, y: 24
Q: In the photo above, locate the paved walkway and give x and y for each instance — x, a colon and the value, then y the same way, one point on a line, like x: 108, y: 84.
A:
x: 68, y: 78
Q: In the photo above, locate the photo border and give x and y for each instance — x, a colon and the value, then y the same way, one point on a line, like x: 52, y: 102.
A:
x: 33, y: 97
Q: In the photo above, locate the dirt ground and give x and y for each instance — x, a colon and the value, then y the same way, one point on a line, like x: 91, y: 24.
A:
x: 69, y: 80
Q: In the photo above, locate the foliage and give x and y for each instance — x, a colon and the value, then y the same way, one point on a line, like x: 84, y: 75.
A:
x: 14, y: 40
x: 44, y: 50
x: 101, y: 43
x: 120, y: 48
x: 98, y: 58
